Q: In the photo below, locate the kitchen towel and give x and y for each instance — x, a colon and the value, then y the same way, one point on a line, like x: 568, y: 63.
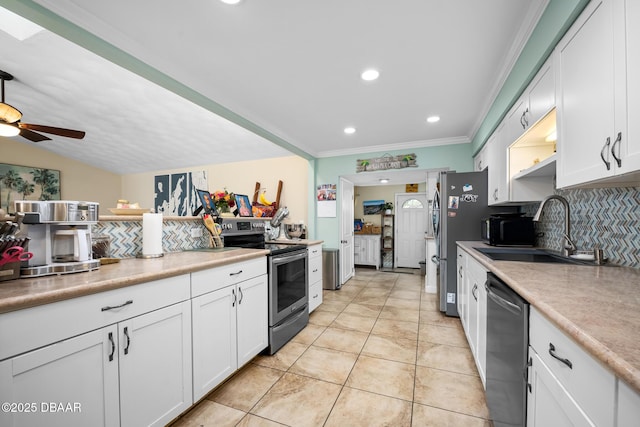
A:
x: 151, y: 234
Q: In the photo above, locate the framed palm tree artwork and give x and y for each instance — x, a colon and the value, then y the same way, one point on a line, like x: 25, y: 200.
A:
x: 27, y: 183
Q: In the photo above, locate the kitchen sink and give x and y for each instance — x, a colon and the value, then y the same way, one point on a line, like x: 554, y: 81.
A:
x: 529, y: 255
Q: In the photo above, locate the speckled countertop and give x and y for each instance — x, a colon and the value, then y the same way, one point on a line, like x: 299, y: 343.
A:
x: 598, y: 306
x: 30, y: 292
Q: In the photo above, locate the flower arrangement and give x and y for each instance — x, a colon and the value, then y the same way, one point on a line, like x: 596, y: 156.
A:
x: 224, y: 200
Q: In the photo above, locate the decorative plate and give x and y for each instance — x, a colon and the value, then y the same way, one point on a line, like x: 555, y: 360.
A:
x: 117, y: 211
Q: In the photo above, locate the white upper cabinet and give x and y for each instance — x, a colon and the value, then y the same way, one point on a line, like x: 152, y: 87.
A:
x: 496, y: 159
x: 598, y: 90
x: 536, y: 101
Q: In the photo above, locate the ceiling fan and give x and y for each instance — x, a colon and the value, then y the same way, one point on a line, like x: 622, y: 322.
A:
x: 10, y: 124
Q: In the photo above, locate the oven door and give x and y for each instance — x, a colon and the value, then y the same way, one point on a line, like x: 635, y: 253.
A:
x: 287, y: 284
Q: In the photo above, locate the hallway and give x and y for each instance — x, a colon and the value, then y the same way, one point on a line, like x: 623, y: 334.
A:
x: 375, y: 353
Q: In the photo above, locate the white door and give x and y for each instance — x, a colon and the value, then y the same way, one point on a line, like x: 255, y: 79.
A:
x: 411, y: 224
x: 346, y: 230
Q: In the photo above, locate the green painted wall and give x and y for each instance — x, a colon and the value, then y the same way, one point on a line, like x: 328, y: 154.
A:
x: 554, y: 22
x: 329, y: 170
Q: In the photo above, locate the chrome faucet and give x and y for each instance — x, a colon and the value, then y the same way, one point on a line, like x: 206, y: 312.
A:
x: 567, y: 247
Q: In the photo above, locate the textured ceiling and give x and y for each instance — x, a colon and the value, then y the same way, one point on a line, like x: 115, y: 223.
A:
x: 286, y: 68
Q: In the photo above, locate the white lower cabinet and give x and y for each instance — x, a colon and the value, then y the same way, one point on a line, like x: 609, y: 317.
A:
x: 628, y: 411
x: 367, y: 249
x: 155, y: 366
x: 472, y: 308
x: 315, y: 276
x: 81, y: 371
x: 566, y: 378
x: 136, y: 372
x: 548, y: 403
x: 230, y: 327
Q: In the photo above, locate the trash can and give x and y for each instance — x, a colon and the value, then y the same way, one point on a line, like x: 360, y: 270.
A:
x: 331, y: 269
x: 423, y: 267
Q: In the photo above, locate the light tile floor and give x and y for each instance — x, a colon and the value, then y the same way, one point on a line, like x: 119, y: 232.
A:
x: 376, y: 353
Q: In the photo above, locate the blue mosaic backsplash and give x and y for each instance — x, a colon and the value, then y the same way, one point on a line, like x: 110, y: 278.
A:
x: 126, y: 236
x: 606, y: 218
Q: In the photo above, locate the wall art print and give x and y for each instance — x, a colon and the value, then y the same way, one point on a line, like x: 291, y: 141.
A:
x: 27, y: 183
x: 176, y: 194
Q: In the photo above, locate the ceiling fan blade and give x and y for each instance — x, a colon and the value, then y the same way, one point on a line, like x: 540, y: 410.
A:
x: 69, y: 133
x: 33, y: 136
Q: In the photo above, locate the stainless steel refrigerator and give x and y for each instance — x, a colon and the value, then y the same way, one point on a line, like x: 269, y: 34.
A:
x: 459, y: 206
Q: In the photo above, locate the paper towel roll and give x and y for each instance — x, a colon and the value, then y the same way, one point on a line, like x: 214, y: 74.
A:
x: 151, y: 234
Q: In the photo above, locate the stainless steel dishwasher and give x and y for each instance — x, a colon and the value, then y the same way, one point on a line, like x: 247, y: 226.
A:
x: 507, y: 346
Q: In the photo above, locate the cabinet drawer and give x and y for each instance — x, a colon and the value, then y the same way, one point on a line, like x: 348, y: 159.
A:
x: 590, y: 384
x: 315, y: 269
x: 315, y: 251
x: 315, y: 295
x: 217, y: 278
x: 46, y: 324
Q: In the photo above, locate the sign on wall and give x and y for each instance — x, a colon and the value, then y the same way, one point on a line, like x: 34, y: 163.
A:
x: 386, y: 162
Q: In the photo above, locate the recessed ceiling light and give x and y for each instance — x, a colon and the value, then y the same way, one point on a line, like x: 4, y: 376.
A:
x: 384, y: 180
x: 231, y: 1
x: 349, y: 130
x: 370, y: 74
x: 433, y: 119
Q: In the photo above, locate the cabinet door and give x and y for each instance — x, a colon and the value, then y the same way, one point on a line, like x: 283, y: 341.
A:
x: 542, y: 95
x: 630, y: 148
x: 497, y: 163
x: 155, y: 366
x: 252, y: 318
x: 548, y: 403
x: 81, y: 372
x: 516, y: 121
x: 462, y: 301
x: 214, y: 339
x: 586, y: 97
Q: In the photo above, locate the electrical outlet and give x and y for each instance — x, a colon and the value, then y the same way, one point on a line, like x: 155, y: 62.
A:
x: 196, y: 232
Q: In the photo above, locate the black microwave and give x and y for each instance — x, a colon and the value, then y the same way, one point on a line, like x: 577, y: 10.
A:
x: 508, y: 230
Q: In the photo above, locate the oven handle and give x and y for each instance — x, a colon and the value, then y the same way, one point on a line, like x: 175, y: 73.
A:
x: 285, y: 258
x: 292, y: 320
x: 501, y: 301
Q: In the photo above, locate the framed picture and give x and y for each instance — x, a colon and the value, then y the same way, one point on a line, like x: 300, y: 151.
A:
x: 27, y: 183
x: 208, y: 206
x: 373, y: 207
x: 243, y: 204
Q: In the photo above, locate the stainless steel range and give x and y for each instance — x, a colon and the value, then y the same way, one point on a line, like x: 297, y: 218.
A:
x: 287, y: 269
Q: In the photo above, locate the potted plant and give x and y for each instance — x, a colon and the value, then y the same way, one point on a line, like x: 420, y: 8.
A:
x: 388, y: 206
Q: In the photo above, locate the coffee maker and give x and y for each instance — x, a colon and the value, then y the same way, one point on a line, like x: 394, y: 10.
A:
x: 60, y: 236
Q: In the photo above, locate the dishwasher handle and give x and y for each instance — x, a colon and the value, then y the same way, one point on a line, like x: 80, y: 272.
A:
x: 508, y: 305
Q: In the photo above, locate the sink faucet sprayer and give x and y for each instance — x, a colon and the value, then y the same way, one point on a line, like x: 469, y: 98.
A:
x: 568, y: 247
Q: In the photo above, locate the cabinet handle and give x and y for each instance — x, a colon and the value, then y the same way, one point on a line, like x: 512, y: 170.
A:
x: 233, y: 292
x: 606, y: 145
x: 126, y: 334
x: 241, y: 296
x: 495, y: 194
x: 552, y: 352
x: 525, y: 373
x: 236, y: 273
x: 522, y: 121
x: 473, y: 291
x: 613, y: 149
x: 315, y: 296
x: 113, y: 307
x: 113, y: 347
x: 460, y: 271
x: 526, y: 120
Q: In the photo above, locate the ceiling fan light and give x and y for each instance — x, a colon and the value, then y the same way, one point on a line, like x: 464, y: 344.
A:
x: 9, y: 114
x: 8, y: 130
